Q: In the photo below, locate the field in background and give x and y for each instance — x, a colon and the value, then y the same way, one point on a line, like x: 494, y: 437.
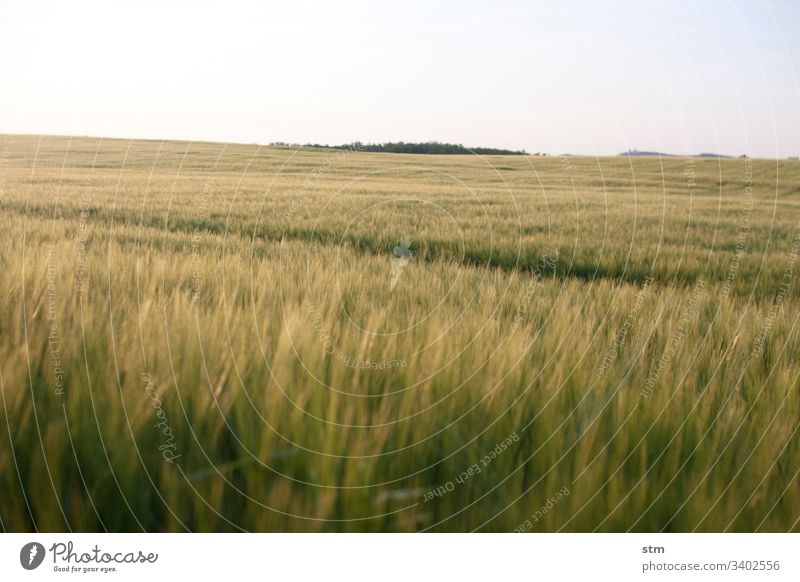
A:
x: 215, y: 337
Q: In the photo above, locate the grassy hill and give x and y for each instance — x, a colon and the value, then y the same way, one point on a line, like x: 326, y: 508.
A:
x: 215, y: 337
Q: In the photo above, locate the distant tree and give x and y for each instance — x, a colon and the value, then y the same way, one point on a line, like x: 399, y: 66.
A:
x: 431, y: 147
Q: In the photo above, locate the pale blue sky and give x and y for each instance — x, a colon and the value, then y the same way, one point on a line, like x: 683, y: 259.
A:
x: 553, y: 76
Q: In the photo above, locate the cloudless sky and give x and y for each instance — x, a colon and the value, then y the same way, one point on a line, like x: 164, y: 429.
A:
x: 589, y: 77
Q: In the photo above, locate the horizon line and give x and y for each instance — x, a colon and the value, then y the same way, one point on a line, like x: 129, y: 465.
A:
x: 645, y: 153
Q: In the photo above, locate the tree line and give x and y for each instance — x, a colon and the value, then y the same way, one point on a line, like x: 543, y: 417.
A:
x: 428, y: 147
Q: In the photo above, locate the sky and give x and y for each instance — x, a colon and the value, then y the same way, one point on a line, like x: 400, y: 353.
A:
x: 554, y: 76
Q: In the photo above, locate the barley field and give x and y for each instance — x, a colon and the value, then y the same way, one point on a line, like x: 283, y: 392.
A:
x: 225, y: 337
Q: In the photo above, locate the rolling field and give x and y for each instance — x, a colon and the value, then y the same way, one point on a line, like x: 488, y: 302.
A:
x: 212, y: 337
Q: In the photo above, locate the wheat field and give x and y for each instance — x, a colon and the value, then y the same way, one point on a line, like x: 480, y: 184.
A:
x: 225, y: 337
